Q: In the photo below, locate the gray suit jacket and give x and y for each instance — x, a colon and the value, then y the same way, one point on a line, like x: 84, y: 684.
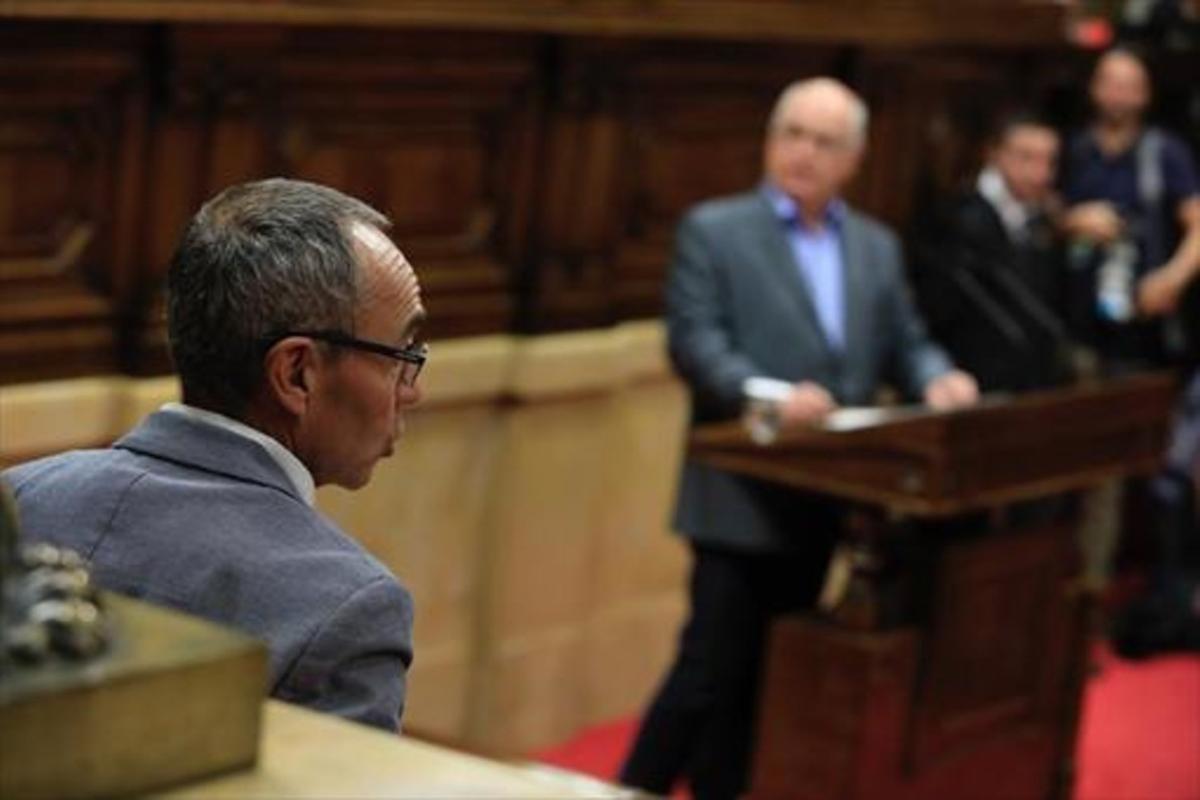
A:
x: 737, y: 307
x: 186, y: 515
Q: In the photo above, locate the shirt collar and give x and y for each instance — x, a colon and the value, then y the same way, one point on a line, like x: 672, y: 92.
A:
x: 292, y: 467
x: 1013, y: 213
x: 786, y: 210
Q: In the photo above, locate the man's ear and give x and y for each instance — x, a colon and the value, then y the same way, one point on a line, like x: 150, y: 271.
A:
x: 288, y: 373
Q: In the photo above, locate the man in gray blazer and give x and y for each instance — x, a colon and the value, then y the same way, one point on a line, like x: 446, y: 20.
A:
x: 788, y: 287
x: 292, y: 321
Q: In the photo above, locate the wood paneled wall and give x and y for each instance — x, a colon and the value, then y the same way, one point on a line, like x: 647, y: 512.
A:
x: 534, y: 172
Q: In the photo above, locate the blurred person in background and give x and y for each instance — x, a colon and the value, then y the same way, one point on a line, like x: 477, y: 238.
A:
x: 990, y: 266
x: 1133, y: 219
x: 787, y: 286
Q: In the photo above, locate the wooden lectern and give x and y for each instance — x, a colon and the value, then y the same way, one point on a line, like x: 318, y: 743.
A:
x: 953, y: 665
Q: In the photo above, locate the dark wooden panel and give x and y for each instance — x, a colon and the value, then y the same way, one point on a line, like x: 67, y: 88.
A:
x: 835, y: 697
x: 439, y: 136
x: 438, y: 132
x: 998, y: 653
x: 980, y: 700
x: 535, y: 157
x: 71, y: 139
x: 638, y: 133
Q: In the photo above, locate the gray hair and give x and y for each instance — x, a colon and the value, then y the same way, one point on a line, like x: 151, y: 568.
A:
x: 256, y: 261
x: 860, y: 115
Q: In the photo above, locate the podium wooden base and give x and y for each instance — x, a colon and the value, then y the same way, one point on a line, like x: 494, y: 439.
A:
x: 976, y: 698
x: 952, y: 664
x: 175, y: 699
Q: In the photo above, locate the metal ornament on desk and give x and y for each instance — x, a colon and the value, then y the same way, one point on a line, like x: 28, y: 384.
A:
x: 49, y: 607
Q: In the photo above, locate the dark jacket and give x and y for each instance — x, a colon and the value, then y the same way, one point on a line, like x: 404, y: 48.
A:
x: 995, y: 304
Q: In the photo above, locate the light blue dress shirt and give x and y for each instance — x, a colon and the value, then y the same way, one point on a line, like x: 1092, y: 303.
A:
x: 818, y: 256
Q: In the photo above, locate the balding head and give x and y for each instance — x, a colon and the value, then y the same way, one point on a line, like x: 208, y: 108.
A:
x: 815, y: 139
x: 1120, y: 87
x: 830, y: 98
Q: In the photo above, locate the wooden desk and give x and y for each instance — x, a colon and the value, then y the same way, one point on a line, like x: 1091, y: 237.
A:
x: 953, y: 665
x: 928, y: 464
x: 306, y: 754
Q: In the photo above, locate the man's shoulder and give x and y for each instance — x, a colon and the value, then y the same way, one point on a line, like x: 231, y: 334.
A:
x: 970, y: 209
x: 229, y: 507
x: 67, y: 475
x: 971, y: 198
x: 117, y: 486
x: 75, y: 467
x: 64, y: 460
x: 70, y: 499
x: 1175, y: 153
x: 328, y: 542
x: 1169, y: 140
x: 726, y: 210
x: 150, y: 502
x: 860, y: 223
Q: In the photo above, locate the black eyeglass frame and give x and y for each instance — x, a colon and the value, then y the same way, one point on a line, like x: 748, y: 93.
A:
x: 416, y: 353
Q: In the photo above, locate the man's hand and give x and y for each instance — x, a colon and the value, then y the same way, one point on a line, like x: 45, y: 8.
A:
x: 1097, y: 221
x: 807, y: 404
x: 1159, y: 291
x: 955, y: 389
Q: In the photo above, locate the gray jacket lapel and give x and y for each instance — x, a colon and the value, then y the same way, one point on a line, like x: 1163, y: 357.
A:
x: 777, y: 255
x: 173, y: 437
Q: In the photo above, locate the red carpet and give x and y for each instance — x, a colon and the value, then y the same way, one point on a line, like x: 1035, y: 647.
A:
x: 1140, y: 734
x: 1139, y: 740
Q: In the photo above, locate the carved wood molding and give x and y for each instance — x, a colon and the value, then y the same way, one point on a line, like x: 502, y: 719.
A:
x: 891, y: 22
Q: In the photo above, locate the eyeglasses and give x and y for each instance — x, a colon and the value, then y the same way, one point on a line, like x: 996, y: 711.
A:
x: 411, y: 358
